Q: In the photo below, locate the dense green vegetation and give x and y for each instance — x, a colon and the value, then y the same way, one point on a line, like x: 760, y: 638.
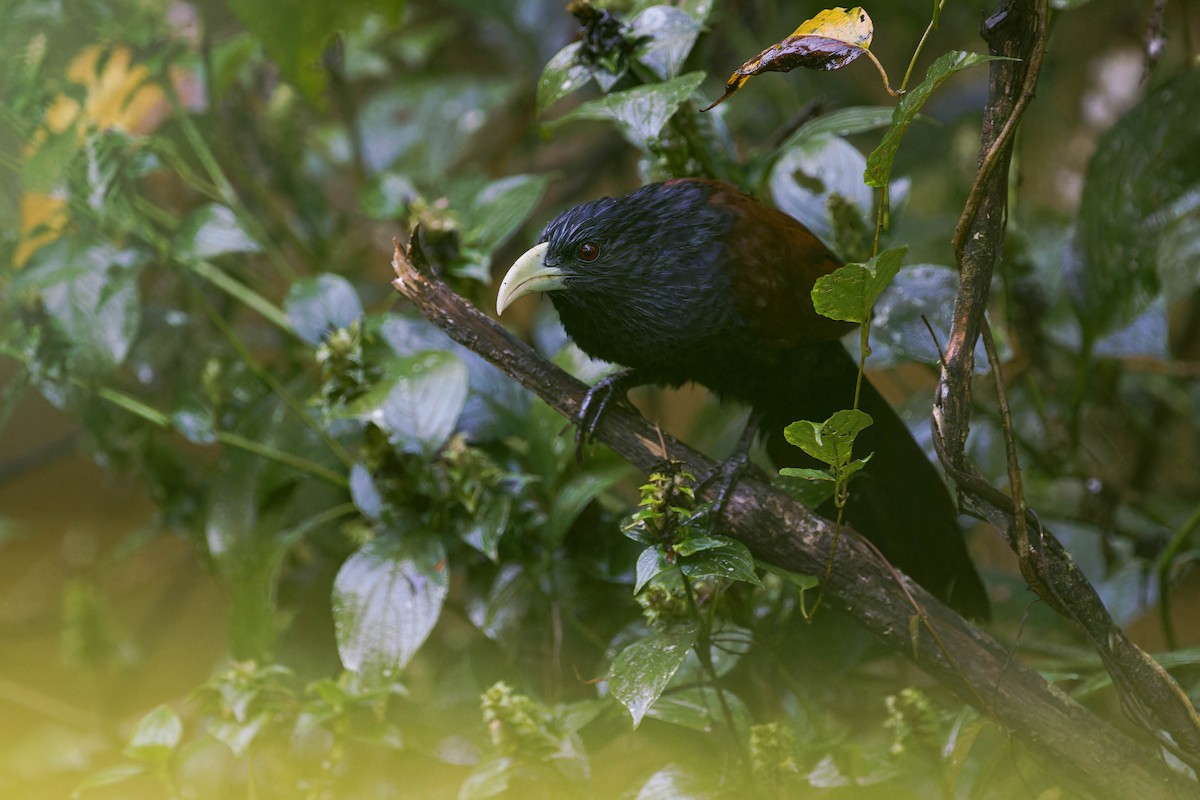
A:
x: 409, y: 587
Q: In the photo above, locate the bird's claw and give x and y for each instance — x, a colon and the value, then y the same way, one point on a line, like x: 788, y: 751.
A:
x: 729, y: 471
x: 595, y: 403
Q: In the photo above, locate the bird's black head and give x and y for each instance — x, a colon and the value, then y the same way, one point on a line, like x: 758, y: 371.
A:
x: 632, y: 275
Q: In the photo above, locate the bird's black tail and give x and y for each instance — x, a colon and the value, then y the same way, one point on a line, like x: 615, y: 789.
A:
x: 899, y: 501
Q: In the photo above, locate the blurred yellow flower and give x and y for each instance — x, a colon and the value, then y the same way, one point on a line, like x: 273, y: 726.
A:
x: 119, y: 95
x: 43, y: 217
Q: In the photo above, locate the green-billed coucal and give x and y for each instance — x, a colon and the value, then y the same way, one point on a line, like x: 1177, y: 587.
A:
x: 695, y: 280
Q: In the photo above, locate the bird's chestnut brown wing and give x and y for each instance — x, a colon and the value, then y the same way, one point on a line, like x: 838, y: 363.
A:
x: 775, y: 261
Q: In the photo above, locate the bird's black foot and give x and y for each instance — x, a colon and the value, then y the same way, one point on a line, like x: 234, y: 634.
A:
x: 726, y: 475
x: 595, y: 403
x: 730, y: 471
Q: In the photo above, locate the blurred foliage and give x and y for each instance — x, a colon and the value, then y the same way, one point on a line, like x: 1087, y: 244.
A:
x: 427, y: 596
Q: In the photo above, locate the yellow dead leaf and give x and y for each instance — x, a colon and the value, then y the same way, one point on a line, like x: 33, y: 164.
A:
x: 852, y: 27
x: 830, y: 40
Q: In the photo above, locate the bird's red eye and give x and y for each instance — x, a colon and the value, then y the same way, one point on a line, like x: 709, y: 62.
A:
x: 588, y: 251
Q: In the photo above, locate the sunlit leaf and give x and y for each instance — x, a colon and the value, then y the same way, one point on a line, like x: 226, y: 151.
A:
x: 675, y: 783
x: 487, y: 527
x: 213, y: 230
x: 490, y: 778
x: 364, y: 493
x: 640, y: 112
x: 918, y: 294
x: 194, y: 422
x: 829, y: 442
x: 643, y: 669
x: 849, y: 292
x: 507, y: 602
x: 1139, y: 219
x: 698, y: 708
x: 156, y: 736
x: 319, y: 305
x: 238, y: 735
x: 1146, y: 336
x: 806, y: 177
x: 499, y: 209
x: 651, y: 562
x: 879, y: 163
x: 841, y: 122
x: 110, y: 777
x: 830, y: 40
x: 729, y: 560
x: 669, y: 33
x: 698, y: 544
x: 807, y: 473
x: 396, y: 124
x: 418, y: 401
x: 386, y: 599
x: 92, y: 295
x: 562, y: 75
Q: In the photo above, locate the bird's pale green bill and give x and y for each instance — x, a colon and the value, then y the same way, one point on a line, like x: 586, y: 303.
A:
x: 527, y: 275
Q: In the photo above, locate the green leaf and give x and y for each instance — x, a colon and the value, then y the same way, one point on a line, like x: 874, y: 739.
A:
x: 194, y: 422
x: 849, y: 292
x: 257, y: 510
x: 674, y: 782
x: 671, y: 32
x: 110, y: 777
x: 879, y: 163
x: 807, y: 473
x: 418, y: 401
x: 829, y: 442
x: 92, y: 295
x: 212, y: 230
x: 499, y: 209
x: 807, y: 176
x: 730, y: 561
x: 801, y: 580
x: 642, y: 670
x: 296, y: 35
x: 1139, y: 218
x: 386, y: 599
x: 387, y: 196
x: 810, y: 493
x: 698, y: 708
x: 421, y: 126
x: 563, y: 74
x: 320, y: 305
x: 364, y: 493
x: 573, y: 497
x: 488, y: 526
x: 842, y: 122
x: 640, y: 112
x: 156, y: 737
x: 897, y: 331
x: 237, y: 734
x: 696, y: 544
x: 651, y: 563
x: 489, y: 778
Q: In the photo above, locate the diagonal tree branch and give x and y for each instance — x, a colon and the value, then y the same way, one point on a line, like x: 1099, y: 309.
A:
x: 782, y: 532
